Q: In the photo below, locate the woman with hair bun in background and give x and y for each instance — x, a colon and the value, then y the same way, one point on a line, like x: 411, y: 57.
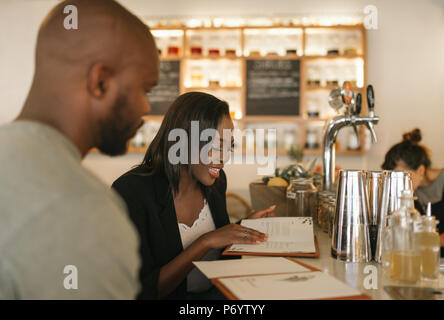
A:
x: 428, y: 183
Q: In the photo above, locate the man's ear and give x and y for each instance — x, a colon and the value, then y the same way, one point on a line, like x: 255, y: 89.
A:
x: 100, y: 81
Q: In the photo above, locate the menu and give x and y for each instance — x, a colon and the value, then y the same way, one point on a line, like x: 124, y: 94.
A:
x: 287, y: 236
x: 290, y: 286
x: 243, y: 267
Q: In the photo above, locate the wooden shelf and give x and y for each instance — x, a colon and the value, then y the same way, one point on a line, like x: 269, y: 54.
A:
x: 239, y: 93
x: 170, y: 58
x: 214, y: 88
x: 273, y: 57
x: 329, y: 88
x: 207, y: 57
x: 333, y: 56
x: 358, y: 26
x: 249, y: 118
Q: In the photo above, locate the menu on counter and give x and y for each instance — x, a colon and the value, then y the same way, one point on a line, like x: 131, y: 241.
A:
x: 289, y: 286
x: 167, y: 89
x: 273, y: 87
x: 287, y: 236
x: 243, y: 267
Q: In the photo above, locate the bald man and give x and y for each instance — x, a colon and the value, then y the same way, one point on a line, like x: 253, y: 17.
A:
x: 63, y: 234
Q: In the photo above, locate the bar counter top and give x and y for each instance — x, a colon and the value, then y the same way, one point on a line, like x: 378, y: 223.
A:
x: 353, y: 273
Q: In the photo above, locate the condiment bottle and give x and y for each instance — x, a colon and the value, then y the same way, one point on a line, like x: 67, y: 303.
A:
x: 430, y: 246
x: 405, y: 255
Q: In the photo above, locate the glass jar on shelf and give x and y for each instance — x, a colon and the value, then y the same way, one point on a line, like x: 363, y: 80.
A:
x: 301, y: 198
x: 288, y: 138
x: 350, y: 73
x: 313, y: 76
x: 315, y: 44
x: 331, y: 76
x: 196, y: 45
x: 351, y: 44
x: 311, y: 140
x: 196, y: 76
x: 214, y: 45
x: 313, y: 107
x: 334, y: 43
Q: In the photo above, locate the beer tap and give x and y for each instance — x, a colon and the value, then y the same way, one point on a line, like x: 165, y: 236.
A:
x: 350, y: 118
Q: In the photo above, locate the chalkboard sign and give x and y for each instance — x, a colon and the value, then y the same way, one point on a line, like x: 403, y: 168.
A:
x: 273, y: 87
x: 167, y: 89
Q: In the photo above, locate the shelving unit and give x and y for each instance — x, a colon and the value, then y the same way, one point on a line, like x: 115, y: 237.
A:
x: 254, y: 43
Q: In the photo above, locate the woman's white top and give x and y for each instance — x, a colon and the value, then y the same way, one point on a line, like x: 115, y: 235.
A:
x: 196, y: 281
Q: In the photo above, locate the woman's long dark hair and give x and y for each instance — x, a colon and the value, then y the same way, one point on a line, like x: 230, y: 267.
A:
x: 409, y: 151
x: 191, y: 106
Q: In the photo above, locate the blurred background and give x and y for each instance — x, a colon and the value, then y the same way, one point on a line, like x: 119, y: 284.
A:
x: 403, y: 59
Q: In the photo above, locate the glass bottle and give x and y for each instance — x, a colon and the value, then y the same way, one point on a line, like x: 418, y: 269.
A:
x: 430, y: 247
x: 331, y: 214
x: 405, y: 254
x: 301, y: 198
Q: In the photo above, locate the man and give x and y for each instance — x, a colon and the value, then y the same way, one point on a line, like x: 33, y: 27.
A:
x: 63, y: 234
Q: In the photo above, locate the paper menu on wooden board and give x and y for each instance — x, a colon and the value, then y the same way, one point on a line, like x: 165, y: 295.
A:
x: 241, y: 267
x: 285, y: 235
x: 290, y: 286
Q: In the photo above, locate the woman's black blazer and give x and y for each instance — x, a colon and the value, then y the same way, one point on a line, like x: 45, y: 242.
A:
x: 151, y: 208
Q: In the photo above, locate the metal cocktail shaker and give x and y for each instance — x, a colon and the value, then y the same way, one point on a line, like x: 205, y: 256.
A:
x: 350, y: 234
x: 374, y: 182
x: 394, y: 182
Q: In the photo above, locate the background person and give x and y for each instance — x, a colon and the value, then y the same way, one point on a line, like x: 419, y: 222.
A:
x: 180, y: 210
x: 428, y: 182
x: 89, y: 90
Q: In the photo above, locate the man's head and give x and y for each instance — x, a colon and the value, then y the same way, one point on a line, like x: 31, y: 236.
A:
x: 92, y: 81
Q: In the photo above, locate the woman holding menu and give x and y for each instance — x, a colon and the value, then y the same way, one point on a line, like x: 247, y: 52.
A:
x: 179, y: 209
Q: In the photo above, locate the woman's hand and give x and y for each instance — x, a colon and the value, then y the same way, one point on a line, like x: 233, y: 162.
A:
x: 232, y: 234
x: 263, y: 213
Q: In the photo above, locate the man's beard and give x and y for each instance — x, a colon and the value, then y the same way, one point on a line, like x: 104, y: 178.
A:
x: 114, y: 132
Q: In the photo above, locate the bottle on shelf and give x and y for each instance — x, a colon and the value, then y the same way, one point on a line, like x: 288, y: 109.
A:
x: 313, y: 108
x: 311, y: 141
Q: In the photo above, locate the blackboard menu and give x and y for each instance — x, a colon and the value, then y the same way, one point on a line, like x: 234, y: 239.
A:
x: 273, y: 87
x: 167, y: 89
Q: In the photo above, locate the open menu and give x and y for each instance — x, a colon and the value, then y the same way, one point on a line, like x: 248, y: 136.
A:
x: 274, y: 278
x: 288, y: 286
x: 287, y: 236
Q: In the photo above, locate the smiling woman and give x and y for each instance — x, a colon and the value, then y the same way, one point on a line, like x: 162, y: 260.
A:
x: 179, y: 207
